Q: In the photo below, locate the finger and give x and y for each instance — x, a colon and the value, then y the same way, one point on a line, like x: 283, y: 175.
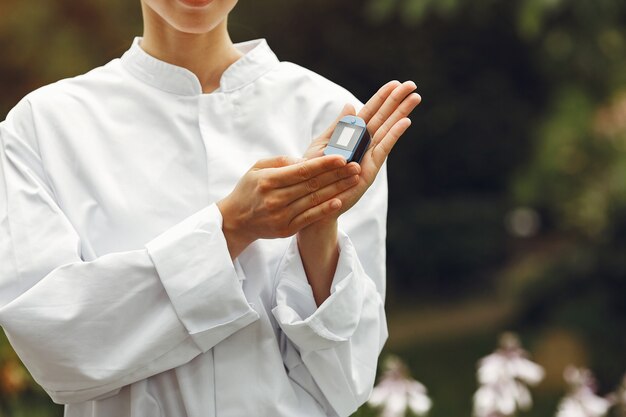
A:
x: 404, y: 109
x: 390, y: 105
x: 382, y: 148
x: 348, y: 110
x: 378, y: 153
x: 296, y: 191
x: 303, y: 171
x: 314, y: 214
x: 276, y: 162
x: 373, y: 104
x: 318, y: 197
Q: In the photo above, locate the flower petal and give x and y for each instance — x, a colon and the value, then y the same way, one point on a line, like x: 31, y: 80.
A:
x: 527, y: 371
x: 419, y: 403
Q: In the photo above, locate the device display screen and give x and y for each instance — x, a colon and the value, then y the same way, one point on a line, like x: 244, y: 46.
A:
x: 346, y: 137
x: 350, y: 139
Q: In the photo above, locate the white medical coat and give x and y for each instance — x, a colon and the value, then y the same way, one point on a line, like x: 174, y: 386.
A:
x: 116, y: 286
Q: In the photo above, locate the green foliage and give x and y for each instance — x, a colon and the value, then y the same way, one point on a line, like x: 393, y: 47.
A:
x: 524, y: 105
x: 59, y: 39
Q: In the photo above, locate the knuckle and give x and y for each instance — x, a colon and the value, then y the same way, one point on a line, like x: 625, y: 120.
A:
x: 307, y: 218
x: 265, y: 184
x: 396, y: 98
x: 348, y: 182
x: 380, y: 94
x: 313, y: 184
x: 406, y: 106
x: 303, y: 171
x: 315, y: 198
x: 272, y: 204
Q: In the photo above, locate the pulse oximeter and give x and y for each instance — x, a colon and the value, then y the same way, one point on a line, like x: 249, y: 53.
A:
x: 350, y: 139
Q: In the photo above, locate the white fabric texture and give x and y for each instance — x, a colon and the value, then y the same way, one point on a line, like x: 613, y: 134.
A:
x: 116, y: 286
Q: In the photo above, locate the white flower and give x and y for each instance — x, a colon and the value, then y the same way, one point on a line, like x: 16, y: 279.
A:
x: 581, y: 401
x: 501, y: 399
x: 396, y: 392
x: 583, y: 407
x: 505, y: 365
x: 503, y: 376
x: 526, y: 370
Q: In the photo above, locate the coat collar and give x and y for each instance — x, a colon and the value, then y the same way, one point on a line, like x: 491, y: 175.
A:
x: 258, y: 59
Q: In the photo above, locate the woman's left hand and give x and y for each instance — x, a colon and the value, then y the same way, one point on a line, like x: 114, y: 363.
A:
x: 386, y: 117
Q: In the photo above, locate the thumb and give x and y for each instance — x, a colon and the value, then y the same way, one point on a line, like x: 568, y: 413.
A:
x: 277, y: 162
x: 348, y: 110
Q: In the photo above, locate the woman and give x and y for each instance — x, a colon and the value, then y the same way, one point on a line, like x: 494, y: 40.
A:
x: 147, y: 270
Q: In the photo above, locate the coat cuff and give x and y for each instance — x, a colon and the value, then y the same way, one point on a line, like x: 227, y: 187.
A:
x: 310, y: 327
x: 195, y: 267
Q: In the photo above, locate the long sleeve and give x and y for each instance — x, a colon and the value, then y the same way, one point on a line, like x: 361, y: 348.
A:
x: 339, y: 341
x: 86, y: 329
x: 332, y: 350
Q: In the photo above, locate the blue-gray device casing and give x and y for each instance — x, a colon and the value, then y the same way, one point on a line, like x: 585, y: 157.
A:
x: 350, y: 139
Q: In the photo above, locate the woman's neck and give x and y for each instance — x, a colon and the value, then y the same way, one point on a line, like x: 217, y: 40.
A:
x: 207, y: 55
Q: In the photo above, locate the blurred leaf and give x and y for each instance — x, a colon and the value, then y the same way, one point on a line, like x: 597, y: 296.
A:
x: 414, y: 11
x: 378, y: 11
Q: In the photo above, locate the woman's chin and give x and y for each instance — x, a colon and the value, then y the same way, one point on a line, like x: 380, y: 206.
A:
x: 195, y: 29
x: 190, y: 16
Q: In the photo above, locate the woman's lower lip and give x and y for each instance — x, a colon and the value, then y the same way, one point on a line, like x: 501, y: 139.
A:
x: 196, y: 3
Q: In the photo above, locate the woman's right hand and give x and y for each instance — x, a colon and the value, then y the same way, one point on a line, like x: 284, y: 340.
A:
x: 279, y: 196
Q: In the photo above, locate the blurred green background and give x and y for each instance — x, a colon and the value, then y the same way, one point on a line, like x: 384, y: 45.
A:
x: 507, y: 195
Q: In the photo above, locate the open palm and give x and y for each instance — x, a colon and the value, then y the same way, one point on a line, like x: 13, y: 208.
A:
x: 386, y: 117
